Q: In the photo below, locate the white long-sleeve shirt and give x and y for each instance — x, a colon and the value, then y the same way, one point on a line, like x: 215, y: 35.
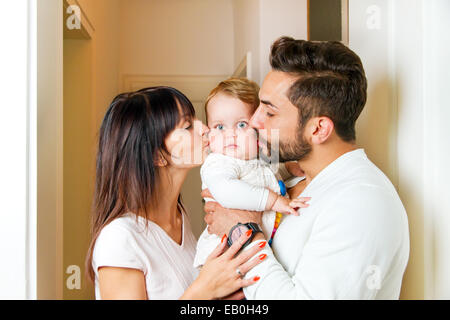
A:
x: 352, y: 242
x: 238, y: 184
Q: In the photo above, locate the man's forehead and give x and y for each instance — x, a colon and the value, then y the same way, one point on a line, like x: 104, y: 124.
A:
x: 276, y: 83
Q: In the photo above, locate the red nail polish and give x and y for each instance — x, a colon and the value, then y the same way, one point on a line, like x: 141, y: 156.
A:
x: 263, y: 256
x: 248, y: 233
x: 262, y: 244
x: 223, y: 238
x: 256, y: 278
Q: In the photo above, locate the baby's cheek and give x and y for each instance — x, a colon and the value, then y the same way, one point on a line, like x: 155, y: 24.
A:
x: 216, y: 143
x: 249, y: 138
x: 249, y: 143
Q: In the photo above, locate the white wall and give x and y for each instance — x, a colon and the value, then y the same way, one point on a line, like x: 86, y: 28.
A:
x: 403, y: 127
x: 258, y: 23
x: 280, y: 18
x: 436, y: 23
x: 175, y: 37
x: 246, y: 17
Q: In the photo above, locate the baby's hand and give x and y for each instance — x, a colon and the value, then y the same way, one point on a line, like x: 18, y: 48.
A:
x: 289, y: 206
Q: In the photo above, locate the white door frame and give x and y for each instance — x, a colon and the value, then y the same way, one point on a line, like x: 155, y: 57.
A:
x: 31, y: 162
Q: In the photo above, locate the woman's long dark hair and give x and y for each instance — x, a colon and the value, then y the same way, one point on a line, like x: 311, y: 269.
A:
x: 132, y: 137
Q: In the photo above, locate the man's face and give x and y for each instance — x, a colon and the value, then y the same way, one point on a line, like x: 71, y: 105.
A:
x: 277, y: 120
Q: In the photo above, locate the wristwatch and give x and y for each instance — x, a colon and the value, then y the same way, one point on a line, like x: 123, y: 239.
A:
x: 241, y: 228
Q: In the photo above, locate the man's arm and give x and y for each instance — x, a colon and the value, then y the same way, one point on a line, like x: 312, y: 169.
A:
x: 348, y: 255
x: 220, y: 220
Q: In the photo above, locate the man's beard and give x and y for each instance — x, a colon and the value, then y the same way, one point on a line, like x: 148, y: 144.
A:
x: 293, y: 151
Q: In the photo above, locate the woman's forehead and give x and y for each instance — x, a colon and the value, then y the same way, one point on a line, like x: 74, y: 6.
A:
x: 185, y: 111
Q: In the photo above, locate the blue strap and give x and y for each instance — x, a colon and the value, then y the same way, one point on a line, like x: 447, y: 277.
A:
x: 282, y: 187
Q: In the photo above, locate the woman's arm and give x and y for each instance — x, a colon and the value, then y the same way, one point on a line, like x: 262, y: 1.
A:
x: 217, y: 279
x: 121, y: 284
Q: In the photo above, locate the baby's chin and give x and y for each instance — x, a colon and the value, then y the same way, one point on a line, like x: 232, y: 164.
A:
x: 238, y: 153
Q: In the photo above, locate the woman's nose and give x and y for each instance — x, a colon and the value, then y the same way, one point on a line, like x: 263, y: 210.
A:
x: 204, y: 131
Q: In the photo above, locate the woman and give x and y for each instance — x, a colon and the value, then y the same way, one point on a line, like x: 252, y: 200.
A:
x: 142, y: 245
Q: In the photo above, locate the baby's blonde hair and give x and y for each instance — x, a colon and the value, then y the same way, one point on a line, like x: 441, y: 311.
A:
x: 241, y: 88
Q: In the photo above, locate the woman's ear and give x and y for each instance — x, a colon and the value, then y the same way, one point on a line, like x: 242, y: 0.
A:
x: 160, y: 160
x: 321, y: 129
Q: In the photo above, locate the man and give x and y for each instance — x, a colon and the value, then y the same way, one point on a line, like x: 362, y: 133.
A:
x: 352, y: 242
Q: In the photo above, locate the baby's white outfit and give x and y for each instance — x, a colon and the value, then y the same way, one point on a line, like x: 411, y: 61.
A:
x: 238, y: 184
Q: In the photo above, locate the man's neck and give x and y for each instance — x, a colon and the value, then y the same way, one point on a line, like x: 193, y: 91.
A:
x: 322, y: 156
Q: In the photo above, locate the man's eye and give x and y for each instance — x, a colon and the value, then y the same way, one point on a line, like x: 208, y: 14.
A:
x: 270, y: 115
x: 242, y: 125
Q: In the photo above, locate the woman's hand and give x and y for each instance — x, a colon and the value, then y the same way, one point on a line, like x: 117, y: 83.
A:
x: 219, y: 276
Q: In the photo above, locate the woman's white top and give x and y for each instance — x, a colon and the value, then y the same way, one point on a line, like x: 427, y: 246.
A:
x: 237, y: 184
x: 352, y: 242
x: 167, y: 266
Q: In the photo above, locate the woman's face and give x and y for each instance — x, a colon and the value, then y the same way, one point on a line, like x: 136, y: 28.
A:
x: 188, y: 144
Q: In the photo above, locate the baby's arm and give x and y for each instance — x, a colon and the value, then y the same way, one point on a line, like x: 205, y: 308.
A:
x: 223, y: 181
x: 222, y: 178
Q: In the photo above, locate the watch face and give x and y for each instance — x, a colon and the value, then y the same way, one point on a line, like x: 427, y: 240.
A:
x: 238, y: 232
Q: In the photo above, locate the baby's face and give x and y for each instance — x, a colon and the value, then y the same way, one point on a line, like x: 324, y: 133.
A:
x: 231, y: 135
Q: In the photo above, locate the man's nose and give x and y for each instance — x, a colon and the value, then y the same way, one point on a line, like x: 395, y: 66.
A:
x: 256, y: 120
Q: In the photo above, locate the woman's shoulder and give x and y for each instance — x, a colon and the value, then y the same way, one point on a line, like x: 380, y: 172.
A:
x: 125, y: 224
x: 117, y: 246
x: 123, y: 231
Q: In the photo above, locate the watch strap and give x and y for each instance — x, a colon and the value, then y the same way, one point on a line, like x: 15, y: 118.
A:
x: 252, y: 226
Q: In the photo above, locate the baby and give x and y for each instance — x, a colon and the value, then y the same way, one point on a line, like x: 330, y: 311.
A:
x: 234, y: 175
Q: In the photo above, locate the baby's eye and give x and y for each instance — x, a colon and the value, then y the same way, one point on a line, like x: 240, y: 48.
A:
x: 219, y: 127
x: 242, y: 125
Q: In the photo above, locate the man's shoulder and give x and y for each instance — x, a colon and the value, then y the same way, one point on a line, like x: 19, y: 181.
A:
x: 363, y: 176
x: 368, y: 205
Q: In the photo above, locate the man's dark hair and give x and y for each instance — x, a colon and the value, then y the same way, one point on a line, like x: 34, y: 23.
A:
x: 331, y: 81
